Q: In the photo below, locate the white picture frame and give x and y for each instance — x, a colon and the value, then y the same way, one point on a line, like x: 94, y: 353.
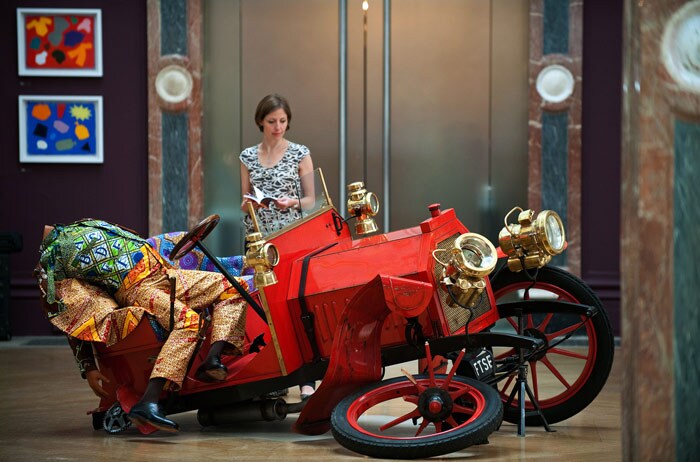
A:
x: 59, y: 42
x: 60, y: 129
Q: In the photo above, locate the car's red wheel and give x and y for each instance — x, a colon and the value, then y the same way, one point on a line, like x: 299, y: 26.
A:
x: 574, y: 366
x: 417, y: 417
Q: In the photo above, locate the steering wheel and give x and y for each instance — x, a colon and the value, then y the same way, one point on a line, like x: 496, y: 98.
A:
x: 196, y: 234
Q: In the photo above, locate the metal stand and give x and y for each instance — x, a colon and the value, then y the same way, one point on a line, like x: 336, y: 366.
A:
x: 522, y: 388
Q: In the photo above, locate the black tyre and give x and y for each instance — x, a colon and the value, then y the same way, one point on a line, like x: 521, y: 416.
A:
x: 437, y: 415
x: 579, y: 352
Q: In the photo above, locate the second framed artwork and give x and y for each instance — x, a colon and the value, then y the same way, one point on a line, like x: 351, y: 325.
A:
x: 59, y: 42
x: 60, y: 129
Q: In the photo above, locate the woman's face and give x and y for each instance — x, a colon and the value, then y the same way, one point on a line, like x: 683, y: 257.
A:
x: 275, y: 124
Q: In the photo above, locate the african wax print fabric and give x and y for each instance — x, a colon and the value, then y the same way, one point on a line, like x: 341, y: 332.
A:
x: 91, y: 314
x: 195, y: 291
x: 92, y: 250
x: 280, y: 180
x: 195, y: 259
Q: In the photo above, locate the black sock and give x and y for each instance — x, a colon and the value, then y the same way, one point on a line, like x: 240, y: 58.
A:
x: 216, y: 349
x: 153, y: 390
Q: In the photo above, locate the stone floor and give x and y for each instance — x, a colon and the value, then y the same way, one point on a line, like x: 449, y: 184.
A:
x: 43, y: 418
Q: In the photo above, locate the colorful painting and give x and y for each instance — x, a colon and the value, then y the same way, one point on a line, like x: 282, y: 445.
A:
x: 59, y: 42
x: 55, y: 129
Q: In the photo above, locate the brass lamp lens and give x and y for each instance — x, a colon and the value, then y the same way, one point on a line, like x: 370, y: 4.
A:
x: 373, y: 203
x: 478, y: 256
x: 551, y: 230
x: 555, y: 234
x: 271, y: 254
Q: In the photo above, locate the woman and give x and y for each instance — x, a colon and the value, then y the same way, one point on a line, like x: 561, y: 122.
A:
x: 277, y: 168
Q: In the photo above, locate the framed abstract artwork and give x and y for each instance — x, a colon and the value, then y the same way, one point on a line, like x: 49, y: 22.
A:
x: 60, y: 129
x: 59, y: 42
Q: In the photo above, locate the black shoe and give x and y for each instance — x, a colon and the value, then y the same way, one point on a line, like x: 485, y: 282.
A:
x: 143, y: 413
x: 211, y: 370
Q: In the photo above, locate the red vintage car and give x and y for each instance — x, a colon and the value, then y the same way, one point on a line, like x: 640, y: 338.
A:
x: 336, y: 302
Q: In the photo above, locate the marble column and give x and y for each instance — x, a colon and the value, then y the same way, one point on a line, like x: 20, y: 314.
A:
x: 554, y: 143
x: 174, y: 114
x: 660, y: 239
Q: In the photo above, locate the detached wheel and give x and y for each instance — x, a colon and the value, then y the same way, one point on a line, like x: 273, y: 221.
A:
x: 568, y: 375
x: 434, y: 416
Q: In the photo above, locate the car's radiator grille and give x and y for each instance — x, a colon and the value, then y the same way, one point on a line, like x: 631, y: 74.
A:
x: 456, y: 316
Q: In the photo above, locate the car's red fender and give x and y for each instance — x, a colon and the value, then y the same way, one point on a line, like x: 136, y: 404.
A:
x: 356, y: 356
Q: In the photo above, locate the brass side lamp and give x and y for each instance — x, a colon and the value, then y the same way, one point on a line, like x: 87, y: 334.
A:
x: 532, y: 242
x: 364, y: 206
x: 472, y: 258
x: 261, y: 255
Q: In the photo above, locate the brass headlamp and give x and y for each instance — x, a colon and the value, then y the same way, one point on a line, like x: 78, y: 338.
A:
x: 261, y: 256
x: 472, y: 258
x: 364, y: 206
x: 532, y: 242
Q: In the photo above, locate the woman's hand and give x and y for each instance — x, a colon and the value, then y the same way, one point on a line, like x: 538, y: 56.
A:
x: 256, y: 206
x: 284, y: 203
x: 95, y: 379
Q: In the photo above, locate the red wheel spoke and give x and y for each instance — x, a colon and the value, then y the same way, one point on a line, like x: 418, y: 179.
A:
x: 571, y: 354
x: 422, y: 426
x: 563, y: 331
x: 506, y: 354
x: 413, y: 399
x: 555, y: 371
x: 530, y: 323
x: 456, y: 394
x: 513, y: 323
x: 420, y: 388
x: 451, y: 420
x: 411, y: 415
x: 545, y: 322
x: 429, y: 358
x: 438, y: 427
x: 456, y: 408
x: 455, y: 365
x: 507, y: 383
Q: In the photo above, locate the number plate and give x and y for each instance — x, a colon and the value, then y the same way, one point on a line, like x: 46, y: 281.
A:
x: 482, y: 364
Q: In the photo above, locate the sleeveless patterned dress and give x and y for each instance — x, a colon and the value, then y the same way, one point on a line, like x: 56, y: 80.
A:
x: 280, y: 180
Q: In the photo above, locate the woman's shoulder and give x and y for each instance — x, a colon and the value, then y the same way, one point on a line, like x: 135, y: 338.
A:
x: 249, y: 154
x: 299, y: 150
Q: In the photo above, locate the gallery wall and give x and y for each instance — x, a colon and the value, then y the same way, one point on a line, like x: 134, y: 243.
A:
x: 34, y: 194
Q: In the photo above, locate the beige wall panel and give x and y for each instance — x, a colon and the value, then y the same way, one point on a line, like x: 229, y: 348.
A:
x: 439, y: 108
x: 509, y: 111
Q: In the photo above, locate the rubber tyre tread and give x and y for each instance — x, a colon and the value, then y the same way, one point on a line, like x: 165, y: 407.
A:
x: 605, y: 344
x: 443, y: 443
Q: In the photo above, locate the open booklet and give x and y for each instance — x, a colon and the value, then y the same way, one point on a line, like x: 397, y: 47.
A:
x: 259, y: 197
